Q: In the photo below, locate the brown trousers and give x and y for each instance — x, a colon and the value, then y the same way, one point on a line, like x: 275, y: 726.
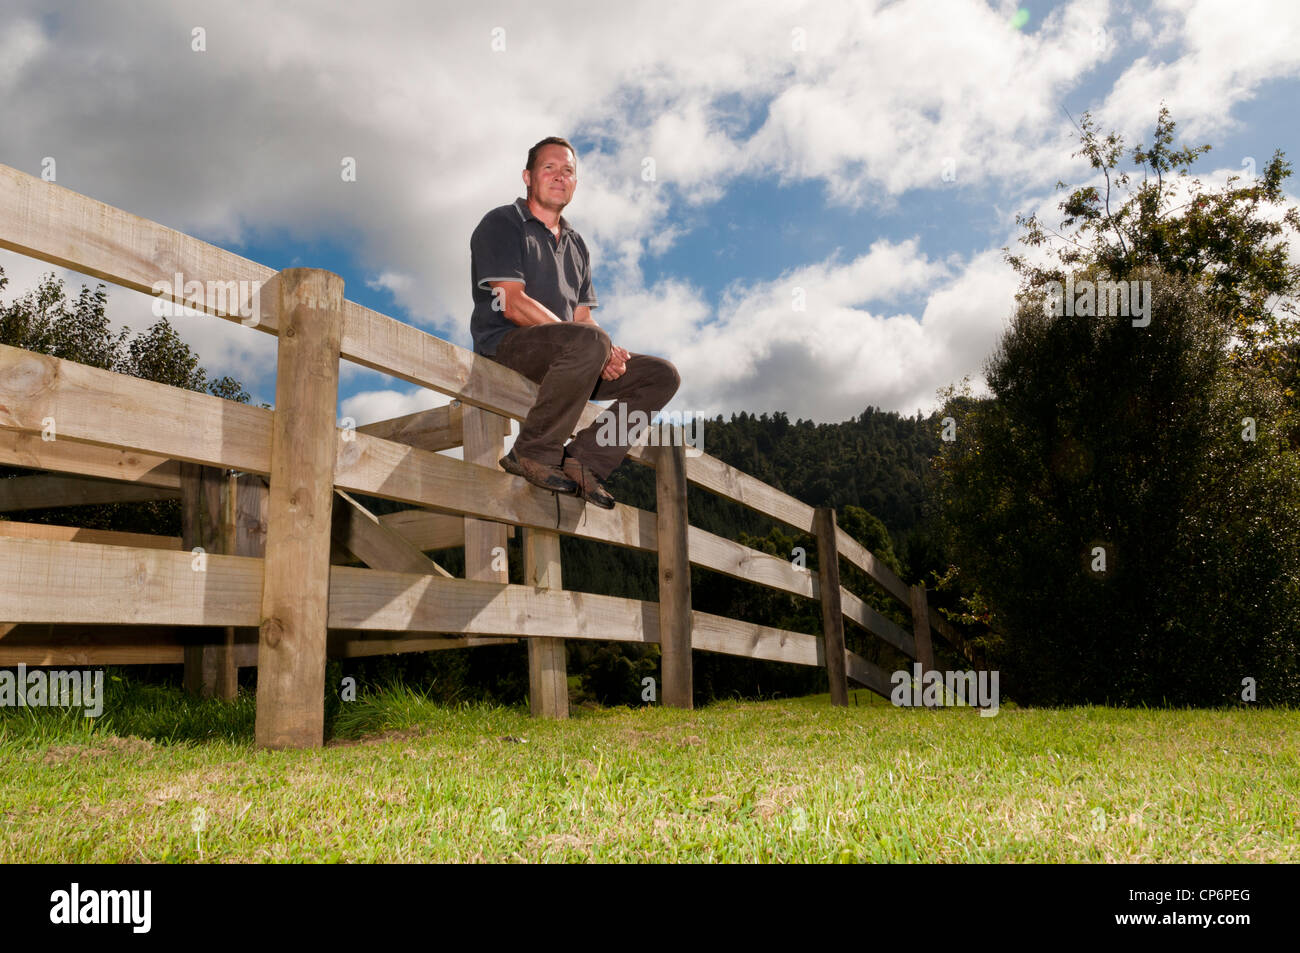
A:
x: 565, y: 361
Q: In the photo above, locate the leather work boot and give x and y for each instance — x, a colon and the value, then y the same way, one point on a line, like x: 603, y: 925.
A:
x: 588, y: 486
x: 537, y: 473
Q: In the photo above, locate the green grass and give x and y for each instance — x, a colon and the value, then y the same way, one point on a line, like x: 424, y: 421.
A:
x: 403, y: 779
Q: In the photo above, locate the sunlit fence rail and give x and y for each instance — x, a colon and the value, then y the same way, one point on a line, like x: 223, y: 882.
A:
x: 270, y: 516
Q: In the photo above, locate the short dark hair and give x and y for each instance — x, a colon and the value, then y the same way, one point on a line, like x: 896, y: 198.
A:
x: 549, y: 141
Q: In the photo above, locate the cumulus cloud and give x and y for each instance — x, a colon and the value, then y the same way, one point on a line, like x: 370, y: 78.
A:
x: 821, y: 341
x: 1208, y: 56
x: 372, y: 405
x: 244, y: 141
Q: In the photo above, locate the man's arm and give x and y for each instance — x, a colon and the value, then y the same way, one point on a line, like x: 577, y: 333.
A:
x: 518, y: 307
x: 524, y: 311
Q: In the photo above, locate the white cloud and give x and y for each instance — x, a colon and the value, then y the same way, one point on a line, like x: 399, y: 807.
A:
x: 243, y: 143
x: 21, y: 43
x: 1225, y: 51
x: 373, y: 405
x: 843, y: 351
x: 246, y: 139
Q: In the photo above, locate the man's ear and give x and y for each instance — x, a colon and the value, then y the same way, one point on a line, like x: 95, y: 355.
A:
x: 528, y: 181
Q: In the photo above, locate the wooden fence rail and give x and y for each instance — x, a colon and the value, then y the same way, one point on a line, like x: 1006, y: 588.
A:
x: 260, y: 575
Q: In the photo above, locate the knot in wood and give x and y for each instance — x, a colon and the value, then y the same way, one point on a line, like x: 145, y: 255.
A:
x: 28, y: 376
x: 272, y: 632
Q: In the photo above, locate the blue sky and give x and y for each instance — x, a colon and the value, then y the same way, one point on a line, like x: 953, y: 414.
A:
x: 795, y: 146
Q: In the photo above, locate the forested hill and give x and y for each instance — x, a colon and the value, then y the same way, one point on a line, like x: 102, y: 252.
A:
x: 876, y: 461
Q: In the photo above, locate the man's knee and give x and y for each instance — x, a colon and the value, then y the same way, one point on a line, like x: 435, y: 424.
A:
x: 666, y: 379
x: 672, y: 379
x: 590, y: 343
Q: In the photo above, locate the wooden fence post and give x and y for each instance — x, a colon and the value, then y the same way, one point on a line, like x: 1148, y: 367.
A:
x: 202, y: 527
x: 828, y: 579
x: 671, y: 519
x: 921, y: 628
x: 548, y: 682
x: 485, y: 541
x: 239, y: 529
x: 304, y: 442
x: 245, y: 507
x: 484, y: 442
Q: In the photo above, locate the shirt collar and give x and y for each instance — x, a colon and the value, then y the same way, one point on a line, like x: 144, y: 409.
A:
x: 525, y: 213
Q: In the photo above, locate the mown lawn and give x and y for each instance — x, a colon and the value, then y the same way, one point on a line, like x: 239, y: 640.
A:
x: 406, y: 780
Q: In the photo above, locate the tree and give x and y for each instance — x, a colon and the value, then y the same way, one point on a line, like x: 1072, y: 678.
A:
x: 1223, y: 240
x: 1128, y: 542
x: 1120, y: 508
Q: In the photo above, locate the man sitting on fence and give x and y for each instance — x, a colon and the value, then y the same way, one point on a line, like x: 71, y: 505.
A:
x: 532, y: 312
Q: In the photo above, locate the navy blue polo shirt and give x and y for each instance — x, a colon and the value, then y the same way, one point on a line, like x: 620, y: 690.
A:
x: 513, y: 244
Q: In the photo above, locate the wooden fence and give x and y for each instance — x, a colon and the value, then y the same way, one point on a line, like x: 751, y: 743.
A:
x: 257, y: 577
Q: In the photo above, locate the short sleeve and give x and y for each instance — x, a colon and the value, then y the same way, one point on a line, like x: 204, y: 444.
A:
x: 586, y: 293
x: 495, y: 250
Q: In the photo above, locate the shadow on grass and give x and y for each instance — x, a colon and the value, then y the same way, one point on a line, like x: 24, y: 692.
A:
x: 159, y: 713
x: 165, y: 714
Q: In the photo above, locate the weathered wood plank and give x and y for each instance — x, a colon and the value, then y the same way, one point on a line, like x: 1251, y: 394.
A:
x: 38, y: 644
x: 28, y: 450
x: 90, y: 655
x: 742, y: 562
x: 100, y: 407
x: 251, y: 513
x: 426, y: 530
x: 45, y: 580
x: 714, y: 633
x: 104, y: 537
x: 54, y: 224
x: 364, y: 648
x: 718, y: 477
x: 360, y: 532
x: 386, y: 469
x: 244, y: 519
x: 371, y: 599
x: 439, y: 428
x: 877, y: 571
x: 154, y: 587
x: 868, y: 674
x: 875, y: 623
x: 50, y: 491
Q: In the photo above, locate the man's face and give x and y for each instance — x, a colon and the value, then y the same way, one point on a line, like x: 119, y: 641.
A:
x: 553, y: 178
